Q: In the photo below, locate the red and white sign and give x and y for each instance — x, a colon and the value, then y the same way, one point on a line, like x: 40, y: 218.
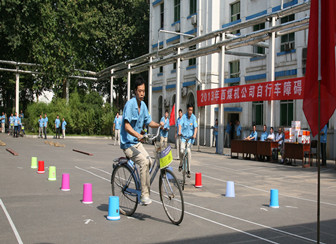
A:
x: 290, y: 89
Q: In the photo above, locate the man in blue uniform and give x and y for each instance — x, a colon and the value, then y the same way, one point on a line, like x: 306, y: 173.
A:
x: 188, y: 129
x: 116, y: 128
x: 57, y: 127
x: 324, y: 145
x: 135, y: 116
x: 64, y: 123
x: 164, y: 131
x: 41, y: 124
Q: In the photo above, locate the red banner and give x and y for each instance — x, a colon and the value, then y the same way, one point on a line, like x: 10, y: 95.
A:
x: 290, y: 89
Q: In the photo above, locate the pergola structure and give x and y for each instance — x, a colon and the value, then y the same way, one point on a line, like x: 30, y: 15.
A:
x: 224, y: 44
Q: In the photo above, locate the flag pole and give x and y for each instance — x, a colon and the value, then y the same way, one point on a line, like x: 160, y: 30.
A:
x: 319, y: 124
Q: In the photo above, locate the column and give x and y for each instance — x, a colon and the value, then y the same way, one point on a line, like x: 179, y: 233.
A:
x: 129, y: 83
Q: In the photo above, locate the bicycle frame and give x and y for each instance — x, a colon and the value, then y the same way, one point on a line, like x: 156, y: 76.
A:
x: 135, y: 172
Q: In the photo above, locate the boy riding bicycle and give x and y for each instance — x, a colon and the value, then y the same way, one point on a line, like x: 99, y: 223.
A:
x: 188, y: 129
x: 135, y: 116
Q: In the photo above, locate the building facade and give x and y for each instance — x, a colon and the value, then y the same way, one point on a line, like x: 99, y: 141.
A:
x: 199, y: 17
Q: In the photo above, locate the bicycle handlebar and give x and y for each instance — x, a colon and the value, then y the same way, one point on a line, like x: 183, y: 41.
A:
x: 152, y: 137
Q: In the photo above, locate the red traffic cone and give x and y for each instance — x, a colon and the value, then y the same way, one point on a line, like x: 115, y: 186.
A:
x: 40, y: 169
x: 198, y: 180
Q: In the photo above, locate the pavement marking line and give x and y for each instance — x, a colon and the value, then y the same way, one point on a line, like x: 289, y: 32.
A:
x: 18, y: 238
x: 209, y: 220
x: 226, y: 215
x: 223, y: 225
x: 92, y: 173
x: 257, y: 189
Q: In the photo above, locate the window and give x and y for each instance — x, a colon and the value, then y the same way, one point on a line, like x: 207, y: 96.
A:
x: 162, y: 16
x: 174, y: 66
x: 257, y: 49
x: 192, y: 61
x: 288, y: 40
x: 258, y: 113
x: 193, y: 7
x: 286, y: 112
x: 161, y: 69
x: 177, y: 7
x: 234, y: 71
x: 235, y: 14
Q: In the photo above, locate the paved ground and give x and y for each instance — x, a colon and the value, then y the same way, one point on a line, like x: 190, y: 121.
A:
x: 41, y: 213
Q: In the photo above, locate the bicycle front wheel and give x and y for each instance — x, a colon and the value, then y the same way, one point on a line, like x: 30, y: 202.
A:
x: 171, y: 196
x: 124, y: 186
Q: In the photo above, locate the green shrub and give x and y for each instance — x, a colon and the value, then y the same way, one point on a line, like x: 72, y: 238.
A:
x: 85, y: 114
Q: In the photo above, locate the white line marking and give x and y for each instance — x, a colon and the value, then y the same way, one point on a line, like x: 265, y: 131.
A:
x: 88, y: 221
x: 264, y: 209
x: 257, y: 189
x: 18, y: 238
x: 290, y: 207
x: 92, y: 173
x: 220, y: 213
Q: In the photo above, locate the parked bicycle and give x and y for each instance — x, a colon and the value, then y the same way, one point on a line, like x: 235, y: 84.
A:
x: 125, y: 181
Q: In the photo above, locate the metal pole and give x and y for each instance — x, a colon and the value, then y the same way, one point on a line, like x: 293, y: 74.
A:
x: 129, y: 83
x: 17, y: 76
x: 272, y: 76
x: 319, y: 124
x: 111, y: 89
x: 178, y: 84
x: 150, y: 87
x: 220, y: 138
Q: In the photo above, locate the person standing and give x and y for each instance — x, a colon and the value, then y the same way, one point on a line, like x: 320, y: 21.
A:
x: 11, y: 125
x: 188, y: 129
x: 227, y: 134
x: 280, y: 137
x: 19, y: 125
x: 45, y: 126
x: 135, y: 117
x: 323, y: 139
x: 3, y: 120
x: 164, y: 131
x: 64, y: 123
x: 177, y: 137
x: 21, y: 115
x: 16, y: 125
x: 57, y: 127
x: 116, y: 128
x: 238, y: 130
x: 215, y: 132
x: 41, y: 123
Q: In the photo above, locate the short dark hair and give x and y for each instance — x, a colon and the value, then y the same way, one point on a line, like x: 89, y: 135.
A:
x: 190, y: 105
x: 180, y: 110
x: 138, y: 82
x: 265, y: 125
x: 166, y: 111
x: 271, y: 128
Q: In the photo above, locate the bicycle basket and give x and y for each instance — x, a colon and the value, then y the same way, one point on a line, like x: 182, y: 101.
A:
x: 166, y: 157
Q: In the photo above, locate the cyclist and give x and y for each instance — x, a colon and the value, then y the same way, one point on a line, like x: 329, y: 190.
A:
x: 135, y: 116
x: 188, y: 129
x: 165, y: 130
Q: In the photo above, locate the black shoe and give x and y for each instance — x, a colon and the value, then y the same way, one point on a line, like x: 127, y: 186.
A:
x: 180, y: 168
x: 188, y: 174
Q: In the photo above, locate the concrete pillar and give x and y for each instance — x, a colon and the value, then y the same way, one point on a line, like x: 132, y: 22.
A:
x: 150, y: 87
x: 220, y: 139
x: 111, y: 89
x: 178, y: 84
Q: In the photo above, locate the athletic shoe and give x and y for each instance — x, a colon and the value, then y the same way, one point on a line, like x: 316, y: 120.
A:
x: 188, y: 174
x: 180, y: 168
x: 145, y: 201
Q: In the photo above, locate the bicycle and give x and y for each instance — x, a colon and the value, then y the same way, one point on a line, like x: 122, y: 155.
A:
x: 125, y: 181
x: 185, y: 161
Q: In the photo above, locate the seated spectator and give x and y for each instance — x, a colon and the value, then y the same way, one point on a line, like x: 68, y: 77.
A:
x: 271, y: 136
x: 264, y: 134
x: 253, y: 136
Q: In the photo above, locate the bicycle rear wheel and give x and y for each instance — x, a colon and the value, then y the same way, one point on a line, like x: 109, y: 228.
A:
x: 124, y: 186
x: 171, y: 196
